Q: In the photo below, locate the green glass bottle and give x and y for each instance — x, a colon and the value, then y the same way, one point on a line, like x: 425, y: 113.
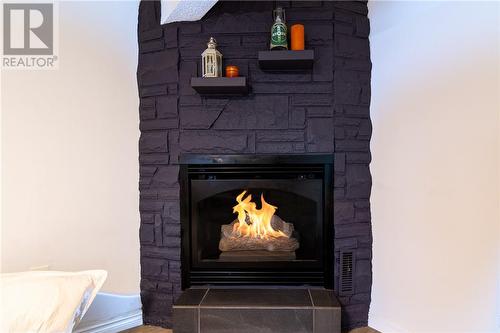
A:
x: 279, y: 31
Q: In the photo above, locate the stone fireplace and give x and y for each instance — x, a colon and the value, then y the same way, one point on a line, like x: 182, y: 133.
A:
x: 321, y: 111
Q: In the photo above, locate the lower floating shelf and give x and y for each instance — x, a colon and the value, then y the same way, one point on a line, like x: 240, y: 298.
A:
x: 220, y: 85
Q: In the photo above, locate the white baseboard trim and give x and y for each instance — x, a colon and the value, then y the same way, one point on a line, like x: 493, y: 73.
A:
x: 114, y: 325
x: 111, y: 313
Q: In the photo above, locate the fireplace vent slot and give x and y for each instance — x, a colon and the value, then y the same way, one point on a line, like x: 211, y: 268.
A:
x: 347, y: 273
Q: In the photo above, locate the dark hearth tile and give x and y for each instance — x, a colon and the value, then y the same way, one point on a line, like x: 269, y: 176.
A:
x: 327, y: 320
x: 185, y: 320
x: 256, y: 320
x: 191, y: 297
x: 257, y: 298
x: 324, y: 298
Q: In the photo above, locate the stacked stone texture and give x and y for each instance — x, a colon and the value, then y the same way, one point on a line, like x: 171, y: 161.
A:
x: 323, y: 110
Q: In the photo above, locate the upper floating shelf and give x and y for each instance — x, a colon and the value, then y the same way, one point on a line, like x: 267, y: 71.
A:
x: 286, y: 60
x: 220, y: 85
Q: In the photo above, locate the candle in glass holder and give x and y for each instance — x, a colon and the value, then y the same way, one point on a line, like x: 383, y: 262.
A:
x: 232, y: 71
x: 297, y: 32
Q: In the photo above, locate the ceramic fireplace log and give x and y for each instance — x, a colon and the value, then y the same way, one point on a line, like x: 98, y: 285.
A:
x: 231, y: 241
x: 276, y: 222
x: 246, y: 244
x: 257, y: 256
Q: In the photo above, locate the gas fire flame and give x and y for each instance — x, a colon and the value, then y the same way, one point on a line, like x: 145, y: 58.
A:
x: 253, y: 222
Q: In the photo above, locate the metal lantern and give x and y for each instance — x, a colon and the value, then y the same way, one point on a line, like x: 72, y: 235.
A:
x: 211, y: 60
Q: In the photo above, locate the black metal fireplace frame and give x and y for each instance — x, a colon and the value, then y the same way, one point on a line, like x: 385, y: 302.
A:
x: 270, y: 275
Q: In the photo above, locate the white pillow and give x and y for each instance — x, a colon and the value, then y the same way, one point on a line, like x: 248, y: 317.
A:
x: 50, y: 301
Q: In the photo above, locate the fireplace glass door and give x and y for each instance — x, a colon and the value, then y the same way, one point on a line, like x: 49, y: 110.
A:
x: 254, y: 224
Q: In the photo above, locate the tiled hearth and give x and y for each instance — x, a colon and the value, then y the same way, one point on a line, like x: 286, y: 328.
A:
x: 257, y: 310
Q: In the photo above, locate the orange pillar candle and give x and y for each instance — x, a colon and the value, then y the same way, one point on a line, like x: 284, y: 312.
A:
x: 297, y: 32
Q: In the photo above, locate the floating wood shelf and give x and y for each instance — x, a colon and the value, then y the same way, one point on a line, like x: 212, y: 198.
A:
x: 220, y: 85
x: 286, y: 60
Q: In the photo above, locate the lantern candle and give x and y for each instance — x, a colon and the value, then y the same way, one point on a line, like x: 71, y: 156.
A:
x: 297, y: 32
x: 211, y: 62
x: 232, y: 71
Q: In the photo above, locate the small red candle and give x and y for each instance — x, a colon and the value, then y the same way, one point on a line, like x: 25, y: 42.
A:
x: 231, y: 71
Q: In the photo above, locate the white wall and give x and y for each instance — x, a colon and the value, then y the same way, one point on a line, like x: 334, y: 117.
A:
x: 435, y: 198
x: 70, y: 152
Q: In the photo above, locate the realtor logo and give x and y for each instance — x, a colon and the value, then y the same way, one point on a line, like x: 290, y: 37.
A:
x: 28, y: 36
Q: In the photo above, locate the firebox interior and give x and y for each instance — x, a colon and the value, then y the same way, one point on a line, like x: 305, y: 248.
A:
x: 264, y: 220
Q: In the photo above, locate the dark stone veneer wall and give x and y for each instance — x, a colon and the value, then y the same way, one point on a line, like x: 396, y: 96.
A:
x: 322, y: 110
